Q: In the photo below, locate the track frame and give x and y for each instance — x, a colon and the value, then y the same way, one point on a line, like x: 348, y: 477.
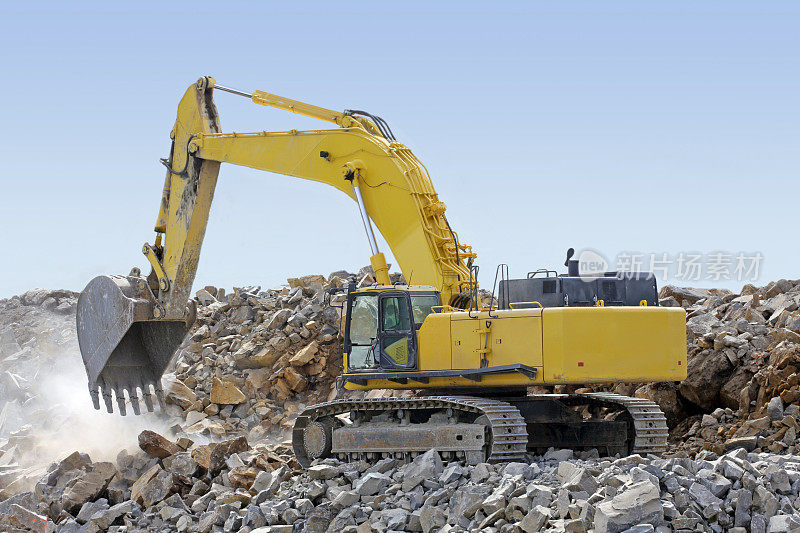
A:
x: 513, y: 426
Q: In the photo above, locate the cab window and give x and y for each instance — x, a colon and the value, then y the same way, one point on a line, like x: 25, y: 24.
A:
x: 363, y: 331
x: 395, y: 314
x: 397, y: 333
x: 422, y: 306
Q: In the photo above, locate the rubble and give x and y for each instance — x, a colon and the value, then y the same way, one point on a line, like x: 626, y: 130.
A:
x: 225, y: 393
x: 753, y: 491
x: 255, y: 358
x: 743, y: 364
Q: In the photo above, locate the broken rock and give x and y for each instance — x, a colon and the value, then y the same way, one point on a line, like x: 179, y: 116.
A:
x: 637, y: 504
x: 223, y: 450
x: 88, y: 486
x: 156, y: 445
x: 226, y: 393
x: 25, y: 518
x: 179, y: 394
x: 535, y: 519
x: 372, y: 484
x: 574, y: 478
x: 305, y: 355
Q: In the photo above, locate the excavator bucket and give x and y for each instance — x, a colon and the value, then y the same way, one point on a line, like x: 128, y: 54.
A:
x: 123, y: 347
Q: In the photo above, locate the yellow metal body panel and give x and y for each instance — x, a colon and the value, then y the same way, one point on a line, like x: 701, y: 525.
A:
x: 566, y: 345
x: 612, y: 344
x: 433, y: 338
x: 501, y: 338
x: 464, y: 343
x: 516, y: 340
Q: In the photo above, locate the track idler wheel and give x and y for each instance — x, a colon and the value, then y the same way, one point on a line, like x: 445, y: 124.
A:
x: 318, y: 439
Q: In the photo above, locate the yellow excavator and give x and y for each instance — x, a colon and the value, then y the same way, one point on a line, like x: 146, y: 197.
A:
x: 472, y: 362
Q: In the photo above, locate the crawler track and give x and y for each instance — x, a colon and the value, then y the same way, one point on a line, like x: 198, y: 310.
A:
x: 506, y: 428
x: 507, y: 435
x: 649, y: 422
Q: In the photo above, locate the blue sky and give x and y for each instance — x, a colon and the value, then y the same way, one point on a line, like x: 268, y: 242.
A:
x: 661, y: 127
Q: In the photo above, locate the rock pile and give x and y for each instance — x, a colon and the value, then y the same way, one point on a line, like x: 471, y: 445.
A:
x: 151, y: 489
x: 743, y: 381
x: 36, y: 328
x: 252, y: 360
x: 232, y: 487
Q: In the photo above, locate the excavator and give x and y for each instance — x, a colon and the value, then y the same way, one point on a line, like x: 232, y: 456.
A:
x: 473, y: 364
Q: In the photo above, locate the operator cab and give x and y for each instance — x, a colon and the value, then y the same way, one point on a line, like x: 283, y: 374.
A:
x: 381, y: 327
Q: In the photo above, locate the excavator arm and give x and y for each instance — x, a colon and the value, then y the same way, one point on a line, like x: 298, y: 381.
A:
x: 394, y: 186
x: 129, y: 327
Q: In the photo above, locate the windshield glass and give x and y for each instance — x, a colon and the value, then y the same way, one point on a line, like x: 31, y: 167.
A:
x: 364, y: 319
x: 363, y: 332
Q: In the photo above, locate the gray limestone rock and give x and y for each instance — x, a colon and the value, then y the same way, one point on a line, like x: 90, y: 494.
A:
x: 637, y: 504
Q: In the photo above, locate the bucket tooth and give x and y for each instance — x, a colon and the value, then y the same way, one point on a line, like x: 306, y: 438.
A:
x: 147, y: 396
x: 120, y: 393
x: 160, y: 396
x: 134, y: 400
x: 107, y: 398
x: 95, y: 394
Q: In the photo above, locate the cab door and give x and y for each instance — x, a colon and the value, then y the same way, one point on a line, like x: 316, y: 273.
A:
x: 397, y: 340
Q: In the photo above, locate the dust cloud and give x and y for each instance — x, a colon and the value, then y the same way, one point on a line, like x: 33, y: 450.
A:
x: 46, y: 412
x: 73, y: 422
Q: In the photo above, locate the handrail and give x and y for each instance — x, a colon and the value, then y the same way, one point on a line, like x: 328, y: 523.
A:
x: 542, y: 271
x: 512, y: 304
x: 502, y: 272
